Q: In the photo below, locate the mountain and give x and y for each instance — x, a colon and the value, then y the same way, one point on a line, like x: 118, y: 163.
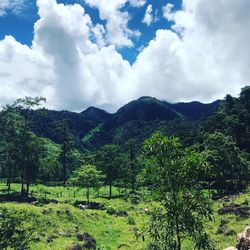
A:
x: 140, y: 118
x: 45, y: 122
x: 145, y: 109
x: 137, y: 120
x: 195, y: 110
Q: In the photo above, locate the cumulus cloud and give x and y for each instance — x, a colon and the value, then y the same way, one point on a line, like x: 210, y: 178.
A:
x: 117, y: 31
x: 202, y: 57
x: 148, y: 17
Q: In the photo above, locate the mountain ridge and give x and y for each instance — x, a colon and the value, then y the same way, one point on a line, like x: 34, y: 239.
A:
x: 94, y: 127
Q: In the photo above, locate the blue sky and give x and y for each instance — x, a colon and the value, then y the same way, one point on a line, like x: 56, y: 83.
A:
x: 105, y: 53
x: 21, y: 25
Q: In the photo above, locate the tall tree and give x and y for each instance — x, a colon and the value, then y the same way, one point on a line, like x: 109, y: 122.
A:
x: 66, y: 143
x: 30, y: 148
x: 11, y: 124
x: 111, y: 161
x: 175, y: 172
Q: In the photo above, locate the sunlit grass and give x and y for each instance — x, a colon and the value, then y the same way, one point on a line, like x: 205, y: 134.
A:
x: 110, y: 231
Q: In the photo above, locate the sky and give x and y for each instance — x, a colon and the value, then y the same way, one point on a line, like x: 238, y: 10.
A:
x: 105, y: 53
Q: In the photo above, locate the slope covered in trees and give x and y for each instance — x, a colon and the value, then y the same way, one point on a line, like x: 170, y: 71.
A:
x: 149, y: 150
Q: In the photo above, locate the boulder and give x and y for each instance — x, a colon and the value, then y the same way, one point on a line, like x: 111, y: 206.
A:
x: 244, y: 240
x: 89, y: 241
x: 237, y: 209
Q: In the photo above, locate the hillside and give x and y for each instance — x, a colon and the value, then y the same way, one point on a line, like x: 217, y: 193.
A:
x: 137, y: 120
x: 140, y: 118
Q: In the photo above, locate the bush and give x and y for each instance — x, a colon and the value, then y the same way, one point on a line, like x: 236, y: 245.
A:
x: 131, y: 221
x: 111, y: 211
x: 12, y: 233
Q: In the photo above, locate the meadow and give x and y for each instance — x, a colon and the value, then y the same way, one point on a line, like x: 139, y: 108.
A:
x: 55, y: 218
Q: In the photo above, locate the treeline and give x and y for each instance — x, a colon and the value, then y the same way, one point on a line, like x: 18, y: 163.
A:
x: 224, y: 138
x: 216, y: 159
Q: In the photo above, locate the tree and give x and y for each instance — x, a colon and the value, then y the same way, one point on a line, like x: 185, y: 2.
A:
x: 231, y: 169
x: 66, y: 142
x: 87, y: 176
x: 11, y: 124
x: 30, y: 148
x: 133, y: 165
x: 110, y: 161
x: 174, y: 172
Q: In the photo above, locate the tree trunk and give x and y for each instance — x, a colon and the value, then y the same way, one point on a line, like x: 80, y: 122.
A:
x: 8, y: 184
x: 64, y: 168
x: 27, y: 187
x: 87, y: 194
x: 110, y: 190
x: 178, y: 233
x: 22, y: 181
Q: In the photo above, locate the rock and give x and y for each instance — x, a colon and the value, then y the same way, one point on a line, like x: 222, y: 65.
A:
x: 90, y: 205
x: 75, y: 247
x: 244, y: 239
x: 65, y: 234
x: 121, y: 213
x: 237, y: 209
x: 51, y: 238
x: 146, y: 211
x: 89, y: 241
x: 36, y: 238
x: 83, y: 207
x: 230, y: 248
x: 244, y: 244
x: 230, y: 232
x: 222, y: 227
x: 46, y: 211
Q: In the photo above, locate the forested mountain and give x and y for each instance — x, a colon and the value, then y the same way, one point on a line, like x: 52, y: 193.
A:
x: 137, y: 120
x: 131, y: 150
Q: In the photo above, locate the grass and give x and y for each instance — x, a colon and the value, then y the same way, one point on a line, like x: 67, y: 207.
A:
x: 59, y: 222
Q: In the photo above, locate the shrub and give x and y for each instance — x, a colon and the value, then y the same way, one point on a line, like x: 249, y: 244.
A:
x: 131, y: 221
x: 12, y: 233
x: 111, y: 211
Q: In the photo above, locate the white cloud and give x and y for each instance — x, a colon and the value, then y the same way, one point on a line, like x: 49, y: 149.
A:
x: 203, y: 57
x: 137, y: 3
x: 15, y: 6
x: 207, y: 59
x: 148, y: 17
x: 167, y: 12
x: 117, y: 31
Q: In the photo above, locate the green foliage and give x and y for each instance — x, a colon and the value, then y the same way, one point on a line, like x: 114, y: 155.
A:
x: 111, y: 210
x: 175, y: 171
x: 12, y: 233
x: 50, y: 168
x: 131, y: 220
x: 230, y: 167
x: 87, y: 176
x: 111, y: 162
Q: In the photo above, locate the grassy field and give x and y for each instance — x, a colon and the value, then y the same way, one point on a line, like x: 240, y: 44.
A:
x: 54, y: 226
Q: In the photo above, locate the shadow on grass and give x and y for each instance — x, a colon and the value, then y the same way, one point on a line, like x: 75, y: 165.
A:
x: 113, y: 196
x: 16, y: 197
